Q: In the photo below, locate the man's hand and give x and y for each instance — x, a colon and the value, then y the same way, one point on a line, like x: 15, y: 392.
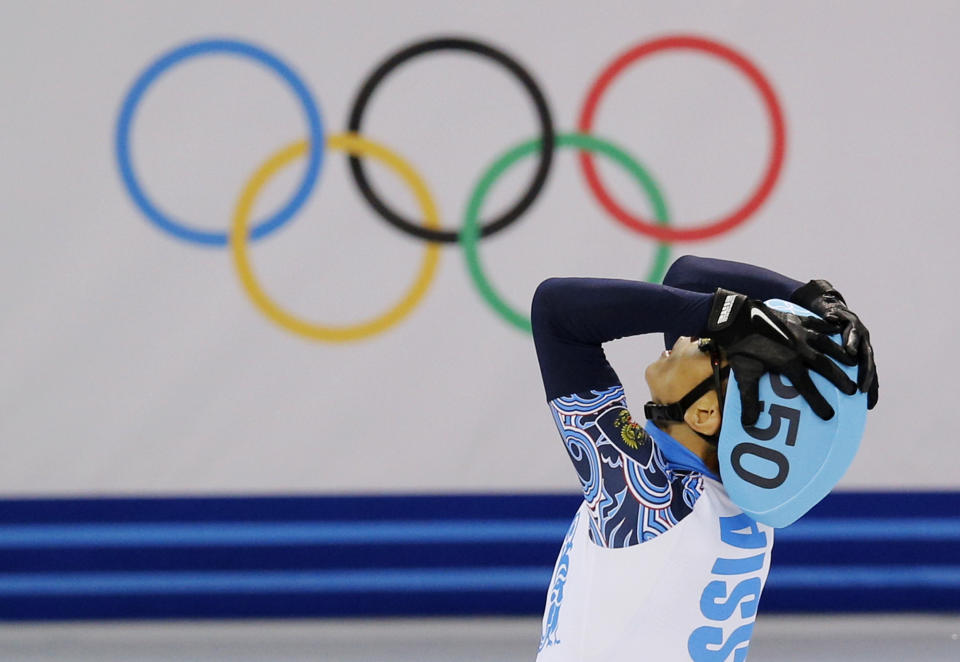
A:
x: 758, y: 339
x: 820, y: 297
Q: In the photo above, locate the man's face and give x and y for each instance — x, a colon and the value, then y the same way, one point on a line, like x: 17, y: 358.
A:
x: 677, y: 371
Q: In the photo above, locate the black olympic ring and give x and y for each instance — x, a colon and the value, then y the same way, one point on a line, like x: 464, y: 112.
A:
x: 471, y: 46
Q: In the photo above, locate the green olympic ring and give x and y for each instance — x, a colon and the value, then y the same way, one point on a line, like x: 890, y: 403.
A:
x: 470, y: 232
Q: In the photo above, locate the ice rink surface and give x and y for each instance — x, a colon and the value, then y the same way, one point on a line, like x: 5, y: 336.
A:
x: 874, y: 638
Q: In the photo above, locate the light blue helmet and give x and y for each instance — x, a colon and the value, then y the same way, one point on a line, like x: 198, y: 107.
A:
x: 784, y: 465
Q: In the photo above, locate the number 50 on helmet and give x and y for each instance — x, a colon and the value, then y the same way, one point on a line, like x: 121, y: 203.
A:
x: 784, y: 465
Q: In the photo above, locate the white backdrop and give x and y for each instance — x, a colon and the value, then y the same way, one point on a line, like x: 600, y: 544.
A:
x: 134, y: 362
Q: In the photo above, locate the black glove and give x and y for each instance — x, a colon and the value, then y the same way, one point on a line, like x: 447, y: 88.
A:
x: 758, y: 339
x: 818, y: 296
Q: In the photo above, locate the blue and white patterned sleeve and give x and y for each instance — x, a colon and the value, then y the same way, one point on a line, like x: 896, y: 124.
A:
x: 631, y: 493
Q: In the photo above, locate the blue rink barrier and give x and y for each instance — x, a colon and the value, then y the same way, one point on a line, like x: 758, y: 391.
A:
x: 336, y: 556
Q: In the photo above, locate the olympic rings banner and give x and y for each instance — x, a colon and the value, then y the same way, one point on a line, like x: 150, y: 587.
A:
x: 427, y: 226
x: 291, y: 250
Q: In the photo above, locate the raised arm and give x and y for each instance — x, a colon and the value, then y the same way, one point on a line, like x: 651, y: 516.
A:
x: 616, y: 460
x: 703, y: 274
x: 706, y: 274
x: 573, y: 317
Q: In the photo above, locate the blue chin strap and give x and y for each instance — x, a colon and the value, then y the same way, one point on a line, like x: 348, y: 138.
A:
x: 779, y: 468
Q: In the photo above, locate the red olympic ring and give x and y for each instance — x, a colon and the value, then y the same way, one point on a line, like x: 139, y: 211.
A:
x: 774, y: 164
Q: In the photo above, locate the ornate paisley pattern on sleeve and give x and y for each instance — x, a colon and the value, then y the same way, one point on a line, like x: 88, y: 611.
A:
x: 631, y: 494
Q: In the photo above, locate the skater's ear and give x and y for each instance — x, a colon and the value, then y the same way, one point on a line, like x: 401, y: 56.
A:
x: 704, y: 415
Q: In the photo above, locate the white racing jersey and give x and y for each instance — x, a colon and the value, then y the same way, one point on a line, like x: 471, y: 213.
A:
x: 658, y: 563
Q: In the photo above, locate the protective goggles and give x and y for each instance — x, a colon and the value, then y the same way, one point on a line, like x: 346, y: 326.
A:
x: 673, y: 413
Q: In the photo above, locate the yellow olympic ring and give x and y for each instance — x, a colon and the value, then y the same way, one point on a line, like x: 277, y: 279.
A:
x: 352, y: 144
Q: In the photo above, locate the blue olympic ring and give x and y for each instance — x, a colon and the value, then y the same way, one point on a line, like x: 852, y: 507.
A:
x: 206, y: 47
